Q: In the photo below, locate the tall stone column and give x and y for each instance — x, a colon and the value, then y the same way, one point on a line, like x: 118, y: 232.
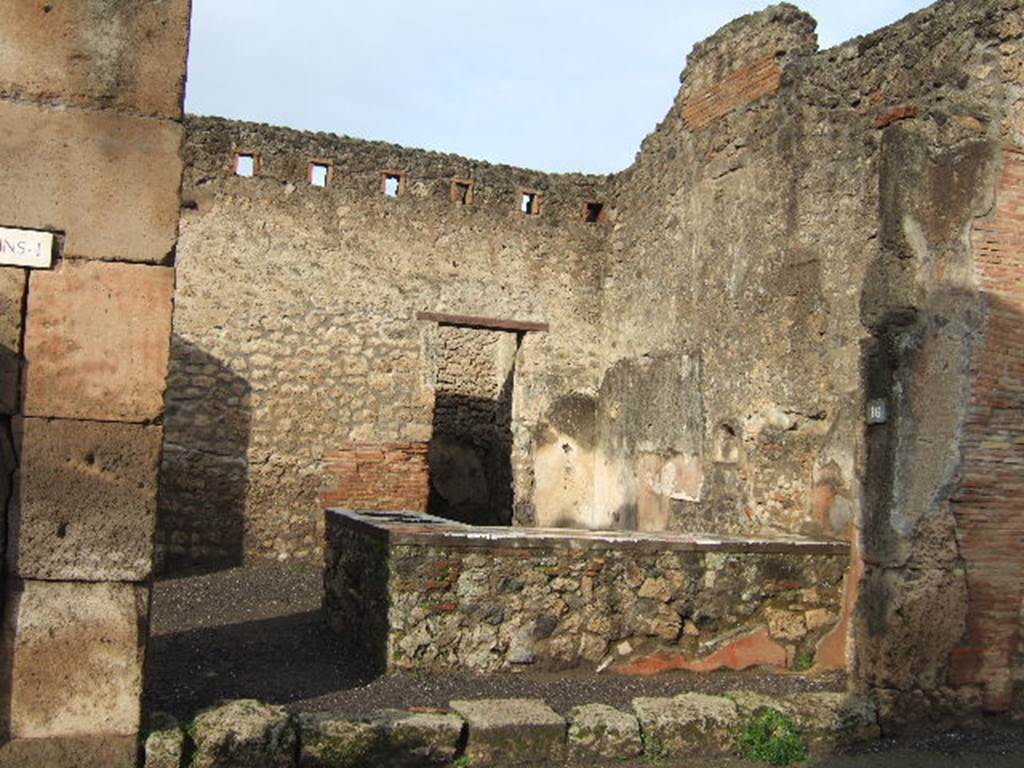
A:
x: 90, y: 150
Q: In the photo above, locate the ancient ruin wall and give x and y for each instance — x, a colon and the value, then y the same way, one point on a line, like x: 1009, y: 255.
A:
x: 90, y: 139
x: 296, y: 325
x: 801, y: 234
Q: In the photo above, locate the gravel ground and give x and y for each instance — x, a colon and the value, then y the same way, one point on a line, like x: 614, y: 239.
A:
x: 255, y: 632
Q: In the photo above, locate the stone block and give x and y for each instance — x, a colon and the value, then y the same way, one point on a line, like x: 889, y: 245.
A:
x: 76, y: 659
x: 70, y: 752
x: 506, y: 732
x: 86, y: 501
x: 165, y: 744
x: 110, y: 182
x: 12, y: 298
x: 832, y: 719
x: 598, y: 732
x: 691, y: 723
x: 129, y: 55
x: 97, y: 341
x: 386, y: 739
x: 244, y: 733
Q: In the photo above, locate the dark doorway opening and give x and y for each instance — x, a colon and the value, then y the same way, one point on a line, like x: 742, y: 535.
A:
x: 470, y: 453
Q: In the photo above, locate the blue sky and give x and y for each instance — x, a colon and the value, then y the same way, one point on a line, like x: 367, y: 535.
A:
x: 570, y: 85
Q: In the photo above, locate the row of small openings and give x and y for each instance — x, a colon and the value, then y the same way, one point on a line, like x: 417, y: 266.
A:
x: 395, y: 184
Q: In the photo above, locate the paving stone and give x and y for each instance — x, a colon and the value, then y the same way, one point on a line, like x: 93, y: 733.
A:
x: 690, y: 723
x: 97, y: 341
x: 108, y: 181
x: 244, y: 734
x: 386, y: 739
x: 86, y: 501
x: 76, y: 659
x: 512, y: 732
x: 597, y: 731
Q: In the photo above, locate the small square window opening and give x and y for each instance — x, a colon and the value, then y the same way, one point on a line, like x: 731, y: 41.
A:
x: 529, y: 203
x: 319, y: 174
x: 593, y: 212
x: 393, y: 184
x: 246, y: 164
x: 462, y: 192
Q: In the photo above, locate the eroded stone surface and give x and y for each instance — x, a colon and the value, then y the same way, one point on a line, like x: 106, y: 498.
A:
x: 129, y: 55
x: 388, y: 738
x: 165, y: 744
x: 87, y: 500
x: 597, y: 731
x: 244, y: 733
x: 97, y: 341
x: 71, y: 752
x: 128, y: 207
x: 512, y: 731
x: 76, y: 659
x: 687, y: 724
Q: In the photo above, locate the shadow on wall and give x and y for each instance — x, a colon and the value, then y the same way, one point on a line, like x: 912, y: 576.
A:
x: 470, y: 457
x: 204, y: 475
x: 943, y: 540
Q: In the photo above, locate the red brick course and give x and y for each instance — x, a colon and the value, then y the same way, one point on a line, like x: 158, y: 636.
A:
x: 989, y: 507
x: 377, y: 476
x: 741, y: 86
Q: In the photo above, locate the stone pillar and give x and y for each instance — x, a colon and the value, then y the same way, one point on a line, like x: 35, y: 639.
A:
x: 90, y: 150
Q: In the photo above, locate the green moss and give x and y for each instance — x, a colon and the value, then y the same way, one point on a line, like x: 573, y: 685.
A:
x: 769, y: 737
x: 804, y: 661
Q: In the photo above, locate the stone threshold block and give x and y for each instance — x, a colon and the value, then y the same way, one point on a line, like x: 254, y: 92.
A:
x: 599, y: 733
x: 86, y: 505
x: 76, y: 658
x: 246, y: 733
x: 691, y: 723
x: 97, y: 341
x: 507, y: 732
x: 109, y: 182
x: 385, y: 739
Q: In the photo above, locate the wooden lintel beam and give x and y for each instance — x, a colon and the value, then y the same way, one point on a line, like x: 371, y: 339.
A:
x: 484, y: 323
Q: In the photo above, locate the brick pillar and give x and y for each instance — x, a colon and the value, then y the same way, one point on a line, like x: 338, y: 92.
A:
x: 990, y: 505
x: 90, y: 142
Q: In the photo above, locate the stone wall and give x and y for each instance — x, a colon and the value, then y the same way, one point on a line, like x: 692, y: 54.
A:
x: 90, y: 111
x: 414, y: 592
x: 804, y: 232
x: 296, y: 326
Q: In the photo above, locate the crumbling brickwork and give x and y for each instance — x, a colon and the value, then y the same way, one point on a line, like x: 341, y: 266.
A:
x: 379, y: 476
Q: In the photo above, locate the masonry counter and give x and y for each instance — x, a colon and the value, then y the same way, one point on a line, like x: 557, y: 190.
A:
x: 413, y: 591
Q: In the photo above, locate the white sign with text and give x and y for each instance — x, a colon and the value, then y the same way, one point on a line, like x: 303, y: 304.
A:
x: 26, y: 248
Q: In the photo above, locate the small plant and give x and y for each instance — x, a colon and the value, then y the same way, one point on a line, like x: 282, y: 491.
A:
x: 769, y: 737
x: 462, y: 762
x: 804, y: 662
x: 654, y: 750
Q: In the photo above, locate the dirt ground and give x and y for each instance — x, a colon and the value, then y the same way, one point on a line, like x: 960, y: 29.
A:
x: 256, y: 632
